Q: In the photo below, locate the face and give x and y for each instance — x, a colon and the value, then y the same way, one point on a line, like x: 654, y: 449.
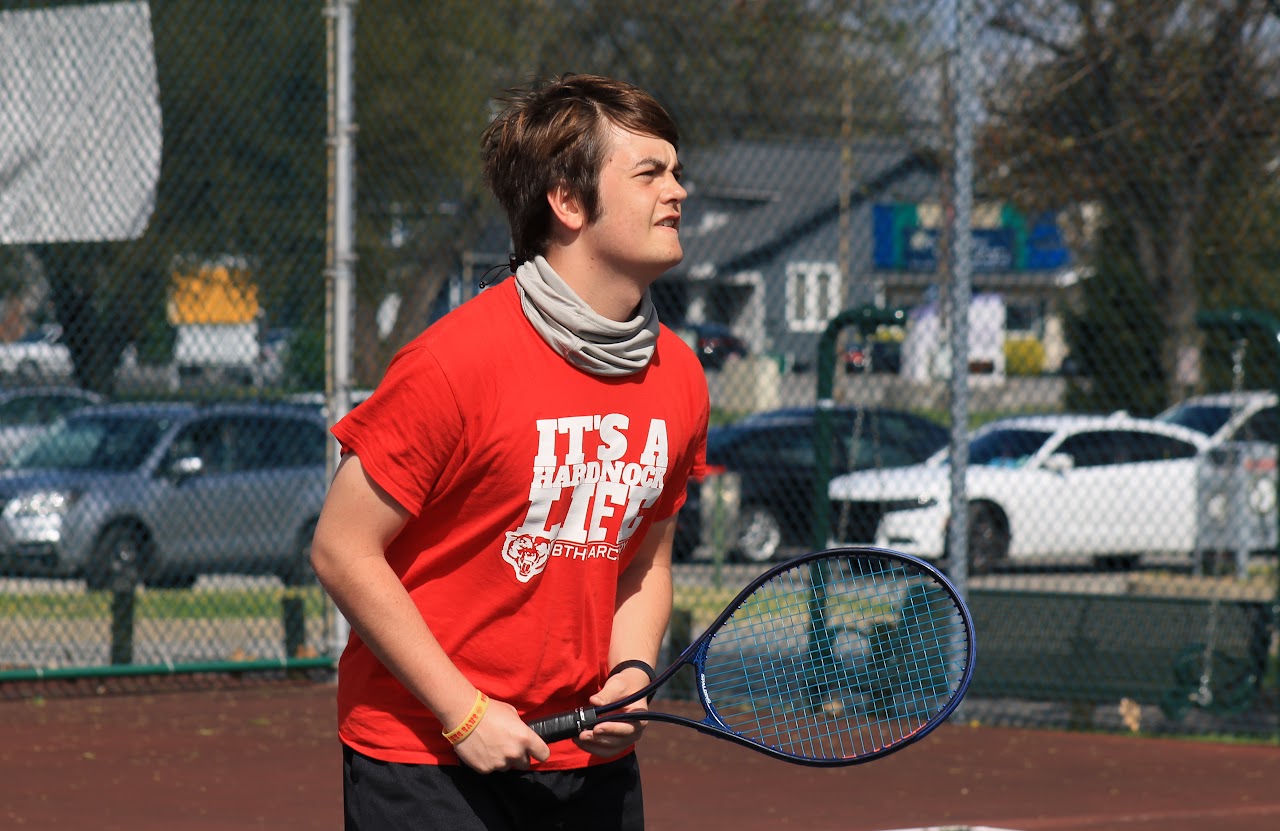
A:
x: 638, y: 229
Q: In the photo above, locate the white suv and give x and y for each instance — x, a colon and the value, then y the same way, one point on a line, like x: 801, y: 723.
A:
x: 1103, y: 488
x: 1229, y: 416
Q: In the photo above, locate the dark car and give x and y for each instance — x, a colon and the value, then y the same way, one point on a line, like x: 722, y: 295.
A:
x: 772, y: 455
x: 873, y: 356
x: 714, y: 343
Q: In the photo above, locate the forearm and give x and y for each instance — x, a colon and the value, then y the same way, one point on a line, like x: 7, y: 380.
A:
x: 357, y: 524
x: 639, y: 622
x: 380, y: 611
x: 644, y: 600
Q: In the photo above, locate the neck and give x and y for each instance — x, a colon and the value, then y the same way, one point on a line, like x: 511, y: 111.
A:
x: 609, y: 293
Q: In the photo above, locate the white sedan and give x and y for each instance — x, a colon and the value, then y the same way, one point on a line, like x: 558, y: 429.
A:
x: 1106, y: 488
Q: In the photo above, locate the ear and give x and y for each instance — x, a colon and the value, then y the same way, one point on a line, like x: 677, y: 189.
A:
x: 566, y: 207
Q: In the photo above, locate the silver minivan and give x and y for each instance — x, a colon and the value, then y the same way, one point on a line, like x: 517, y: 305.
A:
x: 160, y: 493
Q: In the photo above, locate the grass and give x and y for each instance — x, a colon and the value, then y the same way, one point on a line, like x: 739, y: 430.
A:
x: 705, y: 603
x: 160, y: 604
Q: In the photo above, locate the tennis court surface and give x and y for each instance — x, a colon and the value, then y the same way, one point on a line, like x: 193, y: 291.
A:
x: 200, y: 755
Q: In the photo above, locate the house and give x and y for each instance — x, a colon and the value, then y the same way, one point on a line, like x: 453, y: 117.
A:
x: 761, y: 234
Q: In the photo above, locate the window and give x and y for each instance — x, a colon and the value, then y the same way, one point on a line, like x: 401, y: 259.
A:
x: 1137, y: 447
x: 1112, y: 447
x: 92, y: 443
x: 18, y: 412
x: 1007, y: 447
x: 813, y: 295
x: 293, y: 443
x: 1263, y: 425
x: 210, y: 439
x: 54, y: 406
x: 1093, y: 448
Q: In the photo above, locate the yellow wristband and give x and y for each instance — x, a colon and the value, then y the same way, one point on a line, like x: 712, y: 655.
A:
x: 469, y: 723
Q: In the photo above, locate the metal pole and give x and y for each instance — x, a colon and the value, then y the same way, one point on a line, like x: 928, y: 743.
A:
x: 341, y: 233
x: 964, y: 87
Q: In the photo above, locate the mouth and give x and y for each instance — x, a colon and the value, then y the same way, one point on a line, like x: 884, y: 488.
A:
x: 672, y: 222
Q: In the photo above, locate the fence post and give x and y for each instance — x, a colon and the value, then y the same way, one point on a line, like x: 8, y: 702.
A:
x: 293, y: 617
x: 679, y: 636
x: 865, y: 319
x: 123, y: 601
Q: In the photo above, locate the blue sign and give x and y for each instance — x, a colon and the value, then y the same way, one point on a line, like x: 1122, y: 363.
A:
x: 902, y: 244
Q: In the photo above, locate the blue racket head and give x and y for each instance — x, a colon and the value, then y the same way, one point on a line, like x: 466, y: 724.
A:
x: 836, y: 657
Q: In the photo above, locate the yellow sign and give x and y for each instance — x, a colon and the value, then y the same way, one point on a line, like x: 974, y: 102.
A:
x: 213, y: 294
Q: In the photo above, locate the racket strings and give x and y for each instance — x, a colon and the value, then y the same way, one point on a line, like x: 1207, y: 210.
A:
x: 838, y: 659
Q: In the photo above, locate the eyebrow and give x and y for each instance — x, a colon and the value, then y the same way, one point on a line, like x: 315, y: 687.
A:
x: 658, y: 164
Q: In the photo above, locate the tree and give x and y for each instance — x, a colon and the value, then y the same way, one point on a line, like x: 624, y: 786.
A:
x: 243, y: 94
x: 425, y: 76
x: 242, y: 97
x: 1155, y: 113
x: 426, y: 79
x: 766, y: 69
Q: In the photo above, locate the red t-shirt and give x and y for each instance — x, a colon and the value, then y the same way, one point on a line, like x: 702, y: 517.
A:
x: 531, y: 483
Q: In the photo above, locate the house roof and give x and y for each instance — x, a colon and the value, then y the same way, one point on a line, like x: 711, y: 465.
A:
x: 747, y: 199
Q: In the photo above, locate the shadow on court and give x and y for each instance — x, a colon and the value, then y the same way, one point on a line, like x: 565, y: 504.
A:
x: 250, y: 755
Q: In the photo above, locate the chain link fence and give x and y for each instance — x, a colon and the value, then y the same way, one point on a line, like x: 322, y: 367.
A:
x: 1039, y: 238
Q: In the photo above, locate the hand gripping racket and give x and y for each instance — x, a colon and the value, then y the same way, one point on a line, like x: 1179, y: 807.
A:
x: 833, y: 658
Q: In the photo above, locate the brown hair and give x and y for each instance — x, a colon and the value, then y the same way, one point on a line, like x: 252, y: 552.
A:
x: 557, y: 132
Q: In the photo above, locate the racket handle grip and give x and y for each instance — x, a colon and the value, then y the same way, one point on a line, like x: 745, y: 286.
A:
x: 565, y: 725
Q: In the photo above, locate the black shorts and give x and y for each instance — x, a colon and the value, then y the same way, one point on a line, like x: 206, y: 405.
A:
x: 378, y: 796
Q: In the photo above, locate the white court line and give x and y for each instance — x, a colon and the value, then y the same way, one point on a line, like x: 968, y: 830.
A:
x: 953, y: 828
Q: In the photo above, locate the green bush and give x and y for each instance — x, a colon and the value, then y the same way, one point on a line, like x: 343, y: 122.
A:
x: 1023, y: 355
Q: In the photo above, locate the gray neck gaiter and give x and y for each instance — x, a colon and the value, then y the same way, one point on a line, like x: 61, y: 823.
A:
x: 588, y: 341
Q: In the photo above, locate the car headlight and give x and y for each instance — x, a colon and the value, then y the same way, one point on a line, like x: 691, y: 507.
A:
x: 40, y: 504
x: 913, y: 504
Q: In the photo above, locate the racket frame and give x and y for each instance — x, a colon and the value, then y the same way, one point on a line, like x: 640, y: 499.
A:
x: 695, y: 655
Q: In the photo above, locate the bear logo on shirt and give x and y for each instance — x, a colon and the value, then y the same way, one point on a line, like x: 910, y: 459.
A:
x: 592, y: 486
x: 526, y: 555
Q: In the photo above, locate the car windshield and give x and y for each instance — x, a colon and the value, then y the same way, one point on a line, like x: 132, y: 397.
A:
x: 101, y: 443
x: 1006, y: 447
x: 35, y: 336
x: 1205, y: 418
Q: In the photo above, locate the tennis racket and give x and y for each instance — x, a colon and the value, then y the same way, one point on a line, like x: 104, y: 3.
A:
x: 833, y: 658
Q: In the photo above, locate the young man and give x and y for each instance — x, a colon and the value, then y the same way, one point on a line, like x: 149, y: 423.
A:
x: 499, y: 531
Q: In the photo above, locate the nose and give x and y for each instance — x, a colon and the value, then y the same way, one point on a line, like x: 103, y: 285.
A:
x: 676, y: 192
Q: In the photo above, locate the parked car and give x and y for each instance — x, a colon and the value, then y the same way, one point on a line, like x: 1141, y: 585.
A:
x: 316, y: 399
x: 772, y: 454
x: 714, y: 343
x: 39, y: 355
x: 28, y: 411
x: 163, y: 492
x: 1105, y: 488
x: 1230, y: 416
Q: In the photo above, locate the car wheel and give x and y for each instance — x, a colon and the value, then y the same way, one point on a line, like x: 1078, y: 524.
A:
x: 298, y: 571
x: 117, y: 560
x: 29, y: 372
x: 988, y: 538
x: 759, y: 535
